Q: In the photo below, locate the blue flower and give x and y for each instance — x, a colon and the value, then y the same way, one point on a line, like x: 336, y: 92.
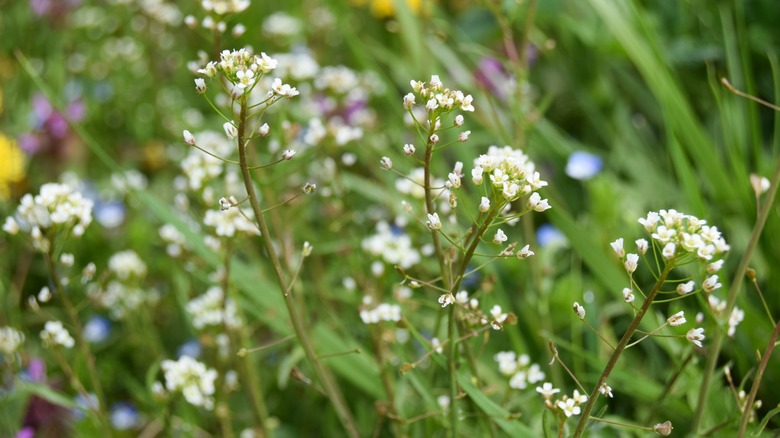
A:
x: 97, y: 329
x: 190, y: 348
x: 124, y: 416
x: 549, y: 235
x: 110, y: 214
x: 583, y: 165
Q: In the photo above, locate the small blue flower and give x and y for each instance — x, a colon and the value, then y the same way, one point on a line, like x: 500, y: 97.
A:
x: 97, y: 329
x: 548, y: 235
x: 190, y: 348
x: 84, y: 405
x: 110, y: 214
x: 124, y: 416
x: 583, y: 165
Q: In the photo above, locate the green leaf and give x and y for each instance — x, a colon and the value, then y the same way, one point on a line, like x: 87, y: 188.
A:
x: 498, y: 414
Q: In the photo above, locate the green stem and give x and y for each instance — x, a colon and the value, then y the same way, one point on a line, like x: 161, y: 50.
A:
x: 79, y: 333
x: 748, y: 409
x: 298, y: 323
x: 714, y: 350
x: 594, y: 395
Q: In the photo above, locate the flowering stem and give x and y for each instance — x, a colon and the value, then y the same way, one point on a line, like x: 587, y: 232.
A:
x: 747, y: 410
x: 714, y: 351
x: 79, y: 333
x: 299, y: 326
x: 585, y: 416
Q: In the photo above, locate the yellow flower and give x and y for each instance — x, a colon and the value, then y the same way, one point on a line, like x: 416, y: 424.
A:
x: 11, y: 164
x: 385, y: 8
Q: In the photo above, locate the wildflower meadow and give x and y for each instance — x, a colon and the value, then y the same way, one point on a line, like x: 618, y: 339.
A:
x: 370, y: 218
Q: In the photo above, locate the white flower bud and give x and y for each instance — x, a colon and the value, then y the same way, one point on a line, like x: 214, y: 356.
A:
x: 189, y: 138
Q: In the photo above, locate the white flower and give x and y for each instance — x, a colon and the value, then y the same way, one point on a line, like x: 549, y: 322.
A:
x: 617, y: 247
x: 409, y: 150
x: 459, y: 120
x: 386, y: 163
x: 695, y: 335
x: 434, y: 139
x: 605, y: 390
x: 628, y: 295
x: 568, y: 407
x: 498, y: 316
x: 409, y: 101
x: 288, y: 154
x: 127, y: 264
x: 189, y: 138
x: 434, y: 223
x: 10, y: 340
x: 547, y: 390
x: 676, y: 319
x: 437, y: 345
x: 192, y: 378
x: 446, y: 299
x: 464, y: 136
x: 54, y: 333
x: 462, y: 297
x: 536, y: 203
x: 278, y: 88
x: 579, y: 310
x: 44, y: 295
x: 641, y: 246
x: 737, y: 315
x: 227, y: 223
x: 669, y: 250
x: 484, y: 205
x: 476, y: 175
x: 443, y: 401
x: 710, y: 284
x: 685, y: 288
x: 307, y: 249
x: 263, y: 130
x: 213, y: 309
x: 500, y: 237
x: 714, y: 266
x: 525, y: 252
x: 631, y: 263
x: 230, y: 130
x: 200, y: 85
x: 651, y: 221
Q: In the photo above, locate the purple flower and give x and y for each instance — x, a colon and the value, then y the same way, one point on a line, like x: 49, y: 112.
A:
x: 548, y: 235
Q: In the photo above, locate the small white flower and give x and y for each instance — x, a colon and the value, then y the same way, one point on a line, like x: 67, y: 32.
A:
x: 443, y: 401
x: 434, y: 223
x: 547, y: 390
x: 307, y: 249
x: 54, y: 333
x: 67, y: 259
x: 437, y: 345
x: 476, y: 175
x: 409, y: 150
x: 224, y: 204
x: 189, y: 138
x: 579, y: 310
x: 569, y: 407
x: 617, y: 247
x: 386, y: 163
x: 605, y: 390
x: 263, y: 130
x: 446, y: 299
x: 500, y: 237
x: 230, y: 130
x: 525, y: 252
x: 641, y: 246
x: 409, y: 101
x: 685, y: 288
x: 434, y: 139
x: 714, y: 266
x: 695, y: 335
x: 288, y: 154
x: 631, y: 262
x: 710, y: 284
x: 669, y: 250
x: 464, y: 136
x: 628, y: 295
x: 536, y: 203
x: 454, y: 180
x: 44, y: 296
x: 200, y: 85
x: 459, y: 120
x: 676, y: 319
x: 309, y: 188
x: 462, y: 297
x: 484, y: 205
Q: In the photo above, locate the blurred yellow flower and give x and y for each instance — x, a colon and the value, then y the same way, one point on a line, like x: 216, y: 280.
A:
x: 11, y: 164
x: 385, y: 8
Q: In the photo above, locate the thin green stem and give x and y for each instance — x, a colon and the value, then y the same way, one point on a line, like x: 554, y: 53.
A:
x: 594, y: 395
x: 714, y: 350
x: 299, y: 326
x: 747, y: 410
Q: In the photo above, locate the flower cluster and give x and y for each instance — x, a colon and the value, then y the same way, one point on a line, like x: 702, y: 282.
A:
x: 208, y: 310
x: 192, y: 378
x: 54, y: 333
x: 681, y: 233
x: 520, y: 369
x: 382, y: 312
x: 392, y: 244
x: 718, y: 308
x: 242, y: 69
x: 125, y: 292
x: 227, y: 222
x: 568, y: 405
x: 10, y: 340
x: 437, y: 98
x: 222, y: 7
x: 57, y: 205
x: 511, y: 173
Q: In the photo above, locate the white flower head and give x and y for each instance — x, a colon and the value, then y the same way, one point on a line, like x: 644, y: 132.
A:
x: 434, y: 223
x: 695, y: 335
x: 500, y: 237
x: 628, y: 295
x: 617, y: 247
x: 676, y: 319
x: 631, y: 263
x: 579, y: 310
x: 686, y: 288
